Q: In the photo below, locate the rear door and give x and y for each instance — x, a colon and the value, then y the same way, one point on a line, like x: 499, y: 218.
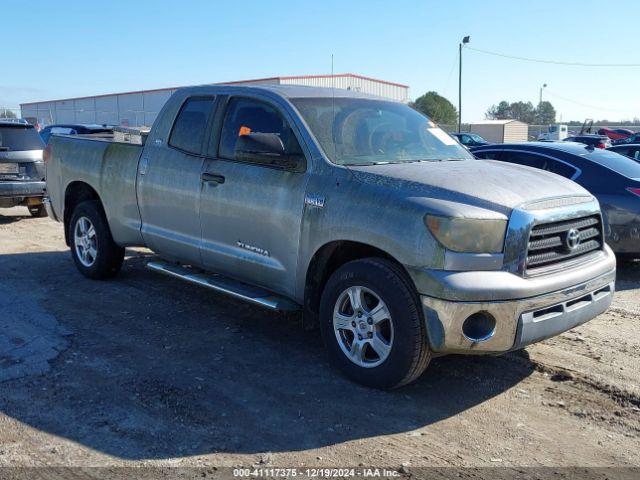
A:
x: 251, y: 218
x: 169, y: 184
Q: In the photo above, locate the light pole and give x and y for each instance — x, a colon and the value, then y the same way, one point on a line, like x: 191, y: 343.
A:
x: 544, y: 85
x: 465, y: 40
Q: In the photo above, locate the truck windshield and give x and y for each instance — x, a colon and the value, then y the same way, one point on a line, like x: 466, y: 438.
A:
x: 359, y: 131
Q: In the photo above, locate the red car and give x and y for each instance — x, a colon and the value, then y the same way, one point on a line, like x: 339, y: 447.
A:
x: 615, y: 134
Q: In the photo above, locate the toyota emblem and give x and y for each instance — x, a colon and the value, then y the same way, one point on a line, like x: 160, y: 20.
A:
x: 573, y: 239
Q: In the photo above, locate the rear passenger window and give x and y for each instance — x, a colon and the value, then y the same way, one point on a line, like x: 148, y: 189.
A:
x: 245, y: 116
x: 491, y: 155
x: 188, y: 131
x: 538, y: 161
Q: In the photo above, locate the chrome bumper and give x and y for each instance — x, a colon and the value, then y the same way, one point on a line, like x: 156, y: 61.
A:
x: 21, y: 189
x: 518, y: 322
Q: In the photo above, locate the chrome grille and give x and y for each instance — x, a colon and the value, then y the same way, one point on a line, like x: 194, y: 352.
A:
x: 553, y: 244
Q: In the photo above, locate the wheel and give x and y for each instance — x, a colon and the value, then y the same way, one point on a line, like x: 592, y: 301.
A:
x: 372, y: 324
x: 93, y: 250
x: 38, y: 211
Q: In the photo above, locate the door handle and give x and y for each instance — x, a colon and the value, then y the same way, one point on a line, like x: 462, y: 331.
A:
x: 212, y: 178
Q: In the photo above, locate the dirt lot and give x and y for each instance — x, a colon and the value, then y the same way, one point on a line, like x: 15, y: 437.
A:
x: 146, y: 370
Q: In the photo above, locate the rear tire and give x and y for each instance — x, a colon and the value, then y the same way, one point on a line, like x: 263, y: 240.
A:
x: 382, y: 343
x: 38, y: 211
x: 94, y: 252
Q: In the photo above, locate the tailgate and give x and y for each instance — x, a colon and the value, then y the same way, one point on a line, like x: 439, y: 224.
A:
x: 22, y: 165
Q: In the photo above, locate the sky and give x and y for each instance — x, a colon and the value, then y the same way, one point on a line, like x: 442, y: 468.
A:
x: 79, y: 48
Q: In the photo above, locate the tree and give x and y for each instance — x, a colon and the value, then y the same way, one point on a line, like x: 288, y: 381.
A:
x: 436, y: 107
x: 4, y: 113
x: 523, y: 111
x: 502, y: 111
x: 545, y: 113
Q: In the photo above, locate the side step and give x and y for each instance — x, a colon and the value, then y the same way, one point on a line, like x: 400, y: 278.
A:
x: 226, y: 285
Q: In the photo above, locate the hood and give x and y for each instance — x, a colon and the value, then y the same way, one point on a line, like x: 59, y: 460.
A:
x: 486, y: 184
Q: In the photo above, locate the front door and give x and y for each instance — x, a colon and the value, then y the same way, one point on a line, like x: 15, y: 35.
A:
x: 251, y: 213
x: 169, y: 185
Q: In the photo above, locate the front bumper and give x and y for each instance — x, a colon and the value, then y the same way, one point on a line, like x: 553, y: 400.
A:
x: 21, y: 189
x: 518, y: 321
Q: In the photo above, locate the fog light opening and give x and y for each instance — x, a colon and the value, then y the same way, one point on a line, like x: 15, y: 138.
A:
x: 479, y: 327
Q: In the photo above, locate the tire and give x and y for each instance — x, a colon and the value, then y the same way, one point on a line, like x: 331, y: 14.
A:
x: 38, y: 211
x: 405, y: 350
x: 105, y: 257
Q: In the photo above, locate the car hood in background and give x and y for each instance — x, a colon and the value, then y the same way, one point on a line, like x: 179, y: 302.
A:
x: 487, y: 184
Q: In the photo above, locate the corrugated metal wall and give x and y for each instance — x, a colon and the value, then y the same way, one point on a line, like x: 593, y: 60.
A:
x: 364, y: 85
x: 133, y: 109
x: 141, y: 108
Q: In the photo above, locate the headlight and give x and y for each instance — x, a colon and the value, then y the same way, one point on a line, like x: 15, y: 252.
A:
x: 468, y: 235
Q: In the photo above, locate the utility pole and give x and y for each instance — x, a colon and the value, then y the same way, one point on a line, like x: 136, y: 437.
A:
x: 544, y: 85
x: 465, y: 40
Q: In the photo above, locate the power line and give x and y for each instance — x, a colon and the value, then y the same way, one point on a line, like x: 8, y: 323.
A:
x: 553, y: 94
x: 553, y: 62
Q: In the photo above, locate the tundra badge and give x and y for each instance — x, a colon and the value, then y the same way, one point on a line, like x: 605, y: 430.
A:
x: 314, y: 200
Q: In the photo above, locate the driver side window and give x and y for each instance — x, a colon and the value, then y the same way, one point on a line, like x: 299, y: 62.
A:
x: 245, y: 116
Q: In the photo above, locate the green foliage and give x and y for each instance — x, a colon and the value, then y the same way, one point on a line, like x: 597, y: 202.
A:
x: 436, y: 107
x: 502, y: 111
x: 4, y: 113
x: 545, y: 113
x: 523, y: 111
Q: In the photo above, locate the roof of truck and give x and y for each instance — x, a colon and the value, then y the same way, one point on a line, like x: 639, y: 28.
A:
x: 288, y: 91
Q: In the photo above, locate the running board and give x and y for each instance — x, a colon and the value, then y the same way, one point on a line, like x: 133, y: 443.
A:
x: 226, y: 285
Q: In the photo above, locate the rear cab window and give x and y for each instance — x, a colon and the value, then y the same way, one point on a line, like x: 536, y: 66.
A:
x: 189, y: 128
x: 19, y: 138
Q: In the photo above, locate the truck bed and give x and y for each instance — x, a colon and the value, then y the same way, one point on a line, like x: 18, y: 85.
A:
x: 106, y: 166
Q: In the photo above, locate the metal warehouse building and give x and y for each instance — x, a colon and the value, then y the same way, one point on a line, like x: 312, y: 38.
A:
x: 140, y: 108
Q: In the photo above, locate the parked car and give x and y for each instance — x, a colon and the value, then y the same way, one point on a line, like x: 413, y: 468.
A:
x: 21, y: 121
x: 470, y: 139
x: 635, y: 138
x: 73, y: 129
x: 356, y: 210
x: 616, y: 133
x: 21, y: 169
x: 614, y: 180
x: 631, y: 150
x: 595, y: 141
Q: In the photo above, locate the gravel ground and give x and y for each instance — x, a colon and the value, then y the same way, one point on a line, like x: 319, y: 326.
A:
x: 147, y: 370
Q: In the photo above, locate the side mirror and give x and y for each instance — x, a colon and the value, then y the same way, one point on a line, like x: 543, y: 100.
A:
x: 267, y: 149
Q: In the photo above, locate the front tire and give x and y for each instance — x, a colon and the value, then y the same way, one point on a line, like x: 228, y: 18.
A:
x: 372, y: 324
x: 94, y: 252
